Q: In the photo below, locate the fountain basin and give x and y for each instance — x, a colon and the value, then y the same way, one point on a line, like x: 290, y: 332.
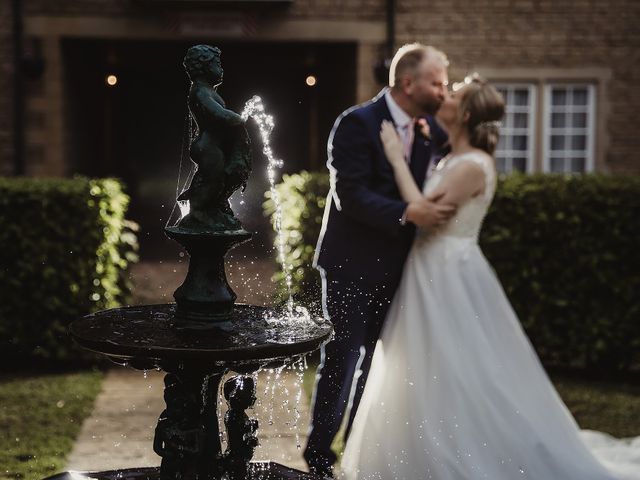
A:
x: 257, y: 471
x: 150, y: 336
x: 187, y: 435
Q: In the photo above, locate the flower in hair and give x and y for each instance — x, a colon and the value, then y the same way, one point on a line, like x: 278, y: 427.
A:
x: 490, y: 123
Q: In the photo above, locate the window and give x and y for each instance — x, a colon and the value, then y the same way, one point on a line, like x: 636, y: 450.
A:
x: 515, y: 150
x: 569, y: 128
x: 549, y: 126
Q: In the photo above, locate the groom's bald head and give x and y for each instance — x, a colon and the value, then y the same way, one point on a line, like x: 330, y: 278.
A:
x: 418, y: 79
x: 410, y: 58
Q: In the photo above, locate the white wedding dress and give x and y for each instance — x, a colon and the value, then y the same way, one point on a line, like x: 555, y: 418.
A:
x: 456, y: 391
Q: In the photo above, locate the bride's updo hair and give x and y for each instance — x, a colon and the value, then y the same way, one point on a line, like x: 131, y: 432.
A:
x: 486, y: 108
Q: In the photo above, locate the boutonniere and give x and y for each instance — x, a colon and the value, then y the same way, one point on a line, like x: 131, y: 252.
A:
x: 424, y: 128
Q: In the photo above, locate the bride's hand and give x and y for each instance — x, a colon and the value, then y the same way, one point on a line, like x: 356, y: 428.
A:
x: 393, y: 148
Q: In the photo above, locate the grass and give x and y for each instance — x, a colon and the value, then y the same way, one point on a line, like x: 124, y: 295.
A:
x: 40, y: 416
x: 611, y: 406
x: 604, y: 405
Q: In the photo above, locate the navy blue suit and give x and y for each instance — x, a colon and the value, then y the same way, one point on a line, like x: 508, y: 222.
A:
x: 360, y: 254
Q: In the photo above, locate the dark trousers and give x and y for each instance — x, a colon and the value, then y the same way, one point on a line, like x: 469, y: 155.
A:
x: 357, y: 312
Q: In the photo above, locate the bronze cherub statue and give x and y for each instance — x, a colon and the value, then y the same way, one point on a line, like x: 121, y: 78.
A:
x: 221, y: 148
x: 179, y: 436
x: 239, y: 392
x: 221, y: 151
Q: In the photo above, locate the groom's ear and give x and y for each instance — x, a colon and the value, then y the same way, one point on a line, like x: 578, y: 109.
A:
x: 406, y: 84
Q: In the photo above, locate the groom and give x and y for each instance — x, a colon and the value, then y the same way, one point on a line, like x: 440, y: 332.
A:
x: 368, y: 229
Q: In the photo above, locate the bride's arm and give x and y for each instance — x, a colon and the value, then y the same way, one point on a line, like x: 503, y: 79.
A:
x: 421, y: 211
x: 393, y: 148
x: 461, y: 183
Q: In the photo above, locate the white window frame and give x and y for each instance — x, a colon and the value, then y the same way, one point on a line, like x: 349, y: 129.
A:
x: 532, y: 119
x: 589, y: 130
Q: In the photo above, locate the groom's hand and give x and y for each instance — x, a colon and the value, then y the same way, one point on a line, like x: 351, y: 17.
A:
x: 427, y: 213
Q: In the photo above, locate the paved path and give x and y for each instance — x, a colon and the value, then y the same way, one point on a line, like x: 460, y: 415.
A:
x: 119, y: 432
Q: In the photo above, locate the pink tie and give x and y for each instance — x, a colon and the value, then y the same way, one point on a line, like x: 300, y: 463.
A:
x: 408, y: 139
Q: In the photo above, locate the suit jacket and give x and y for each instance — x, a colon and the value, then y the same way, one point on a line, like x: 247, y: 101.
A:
x: 361, y: 237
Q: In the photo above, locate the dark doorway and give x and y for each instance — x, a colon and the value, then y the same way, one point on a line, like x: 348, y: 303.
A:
x: 134, y: 130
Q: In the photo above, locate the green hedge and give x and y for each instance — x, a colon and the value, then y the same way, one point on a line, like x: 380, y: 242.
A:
x: 564, y: 247
x: 302, y: 198
x: 64, y: 248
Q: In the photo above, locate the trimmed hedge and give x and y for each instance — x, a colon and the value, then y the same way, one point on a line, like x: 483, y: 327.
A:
x: 65, y: 245
x: 564, y: 247
x: 302, y: 197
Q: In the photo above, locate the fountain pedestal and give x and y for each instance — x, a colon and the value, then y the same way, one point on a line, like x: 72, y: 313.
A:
x: 187, y: 436
x: 205, y: 297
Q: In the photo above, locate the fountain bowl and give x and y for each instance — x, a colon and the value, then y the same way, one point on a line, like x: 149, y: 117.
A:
x: 257, y: 471
x: 150, y: 336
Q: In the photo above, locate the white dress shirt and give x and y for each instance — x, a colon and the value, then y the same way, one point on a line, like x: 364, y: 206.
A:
x: 403, y: 122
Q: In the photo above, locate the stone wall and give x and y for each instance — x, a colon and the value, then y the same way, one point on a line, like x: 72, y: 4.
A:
x: 327, y: 9
x: 52, y: 21
x: 537, y: 34
x: 491, y: 34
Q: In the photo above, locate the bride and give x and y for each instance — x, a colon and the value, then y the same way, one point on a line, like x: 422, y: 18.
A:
x: 456, y: 391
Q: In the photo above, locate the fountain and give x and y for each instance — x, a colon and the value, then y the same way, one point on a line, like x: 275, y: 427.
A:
x: 205, y: 334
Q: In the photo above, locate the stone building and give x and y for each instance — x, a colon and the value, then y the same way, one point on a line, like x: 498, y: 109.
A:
x: 569, y: 70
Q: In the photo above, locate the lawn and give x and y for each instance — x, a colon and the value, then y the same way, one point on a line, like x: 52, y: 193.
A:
x: 605, y: 405
x: 40, y: 416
